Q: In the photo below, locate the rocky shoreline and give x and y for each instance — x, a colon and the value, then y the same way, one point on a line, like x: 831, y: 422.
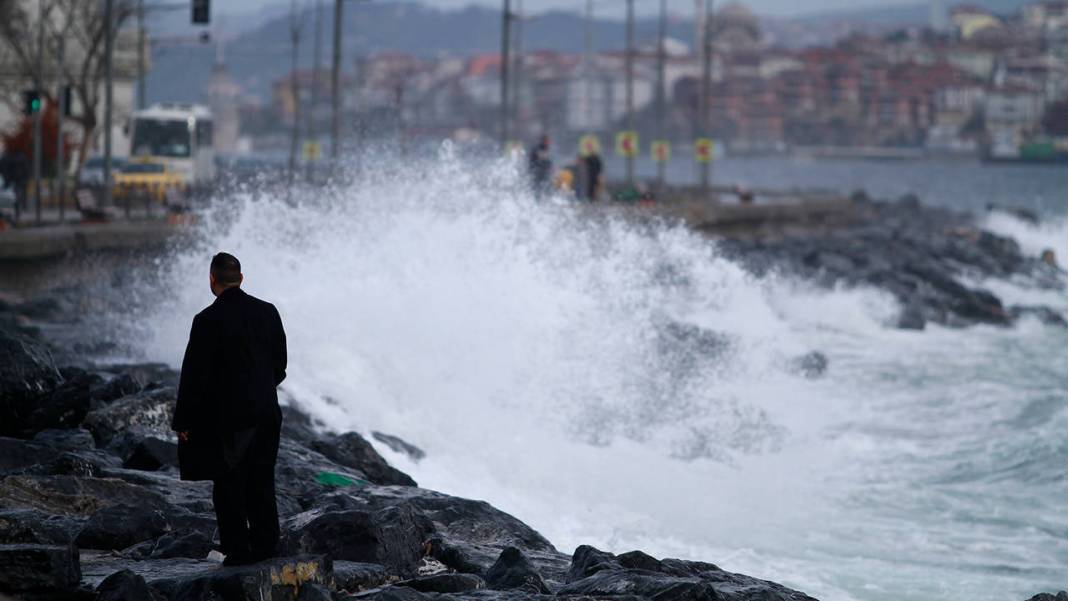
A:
x: 927, y: 258
x: 91, y: 506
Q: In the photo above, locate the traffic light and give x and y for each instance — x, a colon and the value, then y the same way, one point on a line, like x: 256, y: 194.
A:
x: 31, y: 102
x: 201, y: 12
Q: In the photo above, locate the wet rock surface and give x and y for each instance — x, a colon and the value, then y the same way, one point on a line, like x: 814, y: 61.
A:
x: 92, y: 507
x: 927, y: 258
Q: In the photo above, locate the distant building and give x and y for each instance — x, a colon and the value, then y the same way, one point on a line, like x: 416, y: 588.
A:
x: 1012, y: 114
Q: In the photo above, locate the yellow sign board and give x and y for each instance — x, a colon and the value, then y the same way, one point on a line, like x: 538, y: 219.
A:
x: 661, y: 151
x: 589, y: 144
x: 627, y: 144
x: 312, y: 151
x: 704, y: 149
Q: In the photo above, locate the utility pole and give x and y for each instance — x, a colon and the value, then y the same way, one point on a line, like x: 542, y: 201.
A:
x: 62, y: 108
x: 38, y: 143
x: 294, y: 89
x: 661, y: 64
x: 629, y: 65
x: 588, y: 67
x: 141, y: 54
x: 335, y: 89
x: 506, y: 26
x: 517, y: 75
x: 705, y: 104
x: 109, y: 43
x: 316, y: 66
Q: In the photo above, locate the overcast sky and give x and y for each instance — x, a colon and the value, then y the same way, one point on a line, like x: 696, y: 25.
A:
x: 616, y: 7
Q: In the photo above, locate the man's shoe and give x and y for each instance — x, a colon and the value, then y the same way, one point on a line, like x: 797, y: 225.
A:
x: 238, y: 560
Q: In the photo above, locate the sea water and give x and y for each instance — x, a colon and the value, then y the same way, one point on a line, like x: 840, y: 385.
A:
x: 526, y: 346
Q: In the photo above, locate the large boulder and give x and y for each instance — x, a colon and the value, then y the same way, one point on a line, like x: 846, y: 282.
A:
x: 152, y: 454
x: 445, y: 583
x: 66, y: 439
x: 597, y: 573
x: 148, y: 412
x: 124, y: 585
x: 74, y: 496
x: 17, y: 454
x: 37, y: 527
x: 513, y: 571
x: 27, y: 372
x: 39, y: 567
x: 120, y: 526
x: 352, y: 450
x: 391, y: 536
x: 354, y: 576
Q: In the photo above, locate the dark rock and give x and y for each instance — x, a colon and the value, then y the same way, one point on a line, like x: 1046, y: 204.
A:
x: 68, y: 439
x: 354, y: 576
x: 36, y: 527
x: 104, y: 391
x: 911, y: 318
x: 27, y: 375
x: 351, y: 450
x: 810, y: 365
x: 37, y: 567
x: 119, y: 526
x: 597, y: 573
x: 1044, y: 314
x: 16, y: 454
x: 282, y: 578
x: 64, y: 407
x: 444, y: 583
x: 188, y: 543
x: 146, y: 375
x: 152, y: 454
x: 514, y: 571
x: 468, y: 536
x: 587, y: 561
x: 1061, y: 596
x: 149, y: 412
x: 85, y: 464
x: 399, y: 445
x: 200, y: 580
x: 314, y: 592
x: 392, y: 536
x: 636, y: 560
x: 298, y: 425
x: 74, y: 496
x: 124, y: 585
x: 643, y: 584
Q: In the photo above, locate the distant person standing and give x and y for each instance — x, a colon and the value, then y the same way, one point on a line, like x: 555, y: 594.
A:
x: 540, y: 166
x: 594, y: 169
x: 227, y: 416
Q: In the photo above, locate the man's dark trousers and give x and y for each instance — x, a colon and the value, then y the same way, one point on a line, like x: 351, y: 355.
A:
x: 245, y: 505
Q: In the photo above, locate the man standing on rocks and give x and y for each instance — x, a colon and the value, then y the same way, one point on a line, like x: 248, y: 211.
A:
x: 227, y: 417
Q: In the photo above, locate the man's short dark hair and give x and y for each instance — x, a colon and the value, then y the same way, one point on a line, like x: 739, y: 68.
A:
x: 226, y: 269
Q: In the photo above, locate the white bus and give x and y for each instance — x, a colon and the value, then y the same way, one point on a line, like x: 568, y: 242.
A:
x: 179, y: 136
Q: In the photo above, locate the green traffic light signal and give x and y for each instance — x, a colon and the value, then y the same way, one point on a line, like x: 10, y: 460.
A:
x: 35, y: 105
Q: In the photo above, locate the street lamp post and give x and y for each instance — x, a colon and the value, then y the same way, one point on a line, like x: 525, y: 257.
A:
x: 629, y: 65
x: 661, y: 60
x: 506, y: 27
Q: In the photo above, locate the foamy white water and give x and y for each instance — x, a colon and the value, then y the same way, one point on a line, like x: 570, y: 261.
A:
x: 533, y: 350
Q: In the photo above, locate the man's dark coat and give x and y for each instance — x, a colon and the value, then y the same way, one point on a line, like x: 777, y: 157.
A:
x: 235, y: 359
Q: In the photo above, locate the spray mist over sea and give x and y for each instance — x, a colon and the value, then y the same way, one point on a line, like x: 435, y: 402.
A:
x: 618, y: 383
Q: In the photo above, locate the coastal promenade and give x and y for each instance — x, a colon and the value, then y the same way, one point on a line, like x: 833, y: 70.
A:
x: 57, y: 240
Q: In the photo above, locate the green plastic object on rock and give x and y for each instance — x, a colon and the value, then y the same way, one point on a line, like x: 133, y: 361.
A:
x: 333, y: 479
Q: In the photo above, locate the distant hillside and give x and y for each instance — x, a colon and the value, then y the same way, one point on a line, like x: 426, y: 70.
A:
x: 261, y: 53
x: 917, y: 13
